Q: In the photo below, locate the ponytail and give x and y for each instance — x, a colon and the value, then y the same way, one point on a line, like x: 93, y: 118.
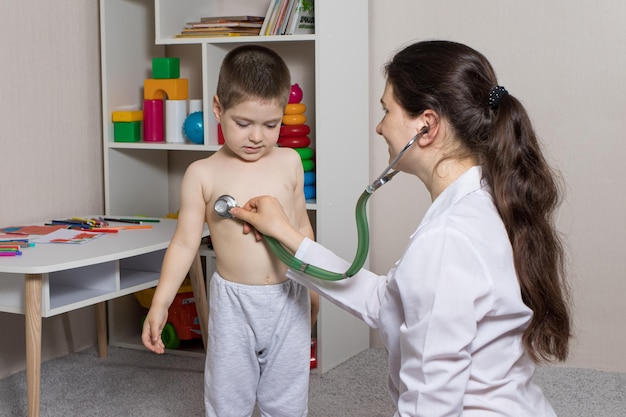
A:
x: 526, y: 195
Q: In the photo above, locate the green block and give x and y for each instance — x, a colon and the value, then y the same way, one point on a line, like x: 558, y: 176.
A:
x: 127, y: 131
x: 165, y: 68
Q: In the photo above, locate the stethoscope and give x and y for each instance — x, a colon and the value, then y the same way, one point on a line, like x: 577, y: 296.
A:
x: 226, y: 202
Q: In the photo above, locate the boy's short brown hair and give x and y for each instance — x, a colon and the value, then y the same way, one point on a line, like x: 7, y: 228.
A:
x: 253, y: 72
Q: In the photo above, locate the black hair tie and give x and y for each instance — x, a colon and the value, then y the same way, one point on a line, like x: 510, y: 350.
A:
x: 495, y: 95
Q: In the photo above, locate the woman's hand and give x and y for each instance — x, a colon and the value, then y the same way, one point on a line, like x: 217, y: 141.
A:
x: 266, y: 215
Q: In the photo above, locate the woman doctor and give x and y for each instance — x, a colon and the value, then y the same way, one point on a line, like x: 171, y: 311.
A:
x: 479, y: 296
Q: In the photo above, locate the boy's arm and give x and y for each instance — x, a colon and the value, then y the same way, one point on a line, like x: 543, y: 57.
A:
x: 178, y: 256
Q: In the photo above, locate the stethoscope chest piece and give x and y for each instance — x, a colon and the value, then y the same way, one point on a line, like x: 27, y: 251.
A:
x: 223, y: 204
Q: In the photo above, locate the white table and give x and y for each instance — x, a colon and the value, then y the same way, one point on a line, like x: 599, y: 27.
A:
x: 51, y: 279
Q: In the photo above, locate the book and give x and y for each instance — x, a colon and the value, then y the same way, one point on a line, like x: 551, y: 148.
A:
x: 221, y: 29
x: 216, y: 34
x: 288, y: 14
x: 224, y: 25
x: 218, y: 19
x: 280, y: 17
x: 273, y: 16
x: 266, y: 19
x: 303, y: 18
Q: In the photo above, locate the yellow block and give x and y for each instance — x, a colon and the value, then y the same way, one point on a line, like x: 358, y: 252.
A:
x: 295, y: 108
x: 294, y: 119
x: 157, y: 89
x: 127, y: 116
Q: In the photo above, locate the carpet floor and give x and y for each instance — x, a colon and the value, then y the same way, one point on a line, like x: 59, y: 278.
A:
x: 138, y: 383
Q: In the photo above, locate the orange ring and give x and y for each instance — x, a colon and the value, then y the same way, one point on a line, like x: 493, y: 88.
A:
x: 295, y: 108
x: 294, y: 119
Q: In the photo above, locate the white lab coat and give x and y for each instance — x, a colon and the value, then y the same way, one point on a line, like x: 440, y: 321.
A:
x: 450, y: 313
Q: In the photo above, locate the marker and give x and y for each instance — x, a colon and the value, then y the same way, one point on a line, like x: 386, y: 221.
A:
x: 11, y: 253
x: 100, y: 230
x: 19, y: 243
x: 145, y: 226
x: 110, y: 219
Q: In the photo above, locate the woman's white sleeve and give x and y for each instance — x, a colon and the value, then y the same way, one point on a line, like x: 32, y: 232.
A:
x: 359, y: 295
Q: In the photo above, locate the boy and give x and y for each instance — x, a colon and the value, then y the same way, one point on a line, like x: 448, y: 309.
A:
x: 258, y: 346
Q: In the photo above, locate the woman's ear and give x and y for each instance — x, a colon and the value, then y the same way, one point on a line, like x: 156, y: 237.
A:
x: 217, y: 108
x: 430, y: 120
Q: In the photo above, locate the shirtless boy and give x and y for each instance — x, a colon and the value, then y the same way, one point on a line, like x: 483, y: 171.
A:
x: 258, y: 346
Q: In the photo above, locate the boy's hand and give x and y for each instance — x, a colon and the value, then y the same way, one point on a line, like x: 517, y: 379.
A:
x: 152, y: 327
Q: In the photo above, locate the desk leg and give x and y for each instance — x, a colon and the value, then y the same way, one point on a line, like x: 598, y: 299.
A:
x: 33, y: 342
x: 101, y: 328
x: 196, y: 276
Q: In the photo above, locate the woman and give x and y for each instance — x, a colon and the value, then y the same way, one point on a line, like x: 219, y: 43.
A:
x: 479, y: 296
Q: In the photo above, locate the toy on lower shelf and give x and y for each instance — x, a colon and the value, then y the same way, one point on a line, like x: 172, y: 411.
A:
x: 183, y: 322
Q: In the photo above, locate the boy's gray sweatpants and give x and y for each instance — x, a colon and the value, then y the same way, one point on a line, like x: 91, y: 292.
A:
x: 258, y: 349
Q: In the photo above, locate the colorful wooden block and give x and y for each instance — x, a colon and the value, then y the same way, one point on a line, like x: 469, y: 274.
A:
x: 154, y: 123
x: 127, y: 131
x: 127, y: 116
x: 165, y: 68
x: 159, y: 89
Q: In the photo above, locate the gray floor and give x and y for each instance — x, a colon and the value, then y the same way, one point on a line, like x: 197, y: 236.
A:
x: 138, y: 383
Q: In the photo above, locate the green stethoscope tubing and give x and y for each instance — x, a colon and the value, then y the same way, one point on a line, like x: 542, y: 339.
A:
x: 361, y: 253
x: 224, y: 203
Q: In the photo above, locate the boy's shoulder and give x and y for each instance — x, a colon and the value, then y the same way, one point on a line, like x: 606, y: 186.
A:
x: 287, y: 153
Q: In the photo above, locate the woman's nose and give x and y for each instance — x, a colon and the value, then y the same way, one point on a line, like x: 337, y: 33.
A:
x: 378, y: 128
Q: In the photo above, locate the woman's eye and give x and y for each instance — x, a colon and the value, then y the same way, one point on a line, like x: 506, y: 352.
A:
x: 241, y: 124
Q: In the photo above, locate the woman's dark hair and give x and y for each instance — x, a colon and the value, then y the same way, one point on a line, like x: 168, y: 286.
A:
x: 455, y: 81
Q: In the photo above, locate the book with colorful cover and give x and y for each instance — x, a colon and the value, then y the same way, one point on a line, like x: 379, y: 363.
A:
x: 302, y: 20
x: 219, y: 19
x: 224, y: 25
x: 266, y: 19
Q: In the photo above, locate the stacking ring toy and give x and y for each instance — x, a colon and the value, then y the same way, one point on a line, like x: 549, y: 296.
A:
x: 308, y: 165
x: 305, y: 153
x: 295, y: 108
x: 309, y: 192
x: 294, y: 141
x: 309, y: 178
x: 296, y: 130
x: 294, y: 119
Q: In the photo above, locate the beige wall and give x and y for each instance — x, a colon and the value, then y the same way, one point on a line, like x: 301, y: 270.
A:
x: 50, y: 146
x: 564, y: 59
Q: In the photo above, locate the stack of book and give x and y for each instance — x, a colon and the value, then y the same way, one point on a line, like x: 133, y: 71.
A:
x: 223, y: 26
x: 288, y: 17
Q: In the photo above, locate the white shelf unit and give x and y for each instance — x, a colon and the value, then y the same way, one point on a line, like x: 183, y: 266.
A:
x: 331, y: 67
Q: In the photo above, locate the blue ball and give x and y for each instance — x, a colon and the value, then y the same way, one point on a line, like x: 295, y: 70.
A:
x: 194, y: 127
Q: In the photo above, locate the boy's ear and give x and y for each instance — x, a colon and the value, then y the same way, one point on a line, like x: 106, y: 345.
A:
x: 217, y: 108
